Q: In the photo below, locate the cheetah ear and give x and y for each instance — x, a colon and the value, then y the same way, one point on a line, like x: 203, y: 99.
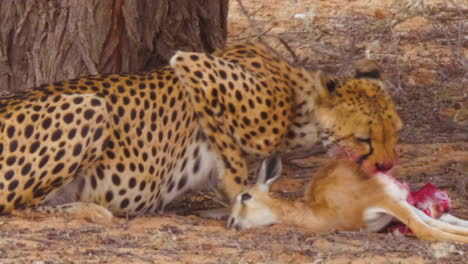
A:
x: 367, y: 69
x: 325, y: 86
x: 270, y: 171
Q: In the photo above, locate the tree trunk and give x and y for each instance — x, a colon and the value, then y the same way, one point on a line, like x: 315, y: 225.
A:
x: 42, y: 41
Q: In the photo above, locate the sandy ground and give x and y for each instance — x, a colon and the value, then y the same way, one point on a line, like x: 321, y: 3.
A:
x: 184, y: 238
x: 422, y: 53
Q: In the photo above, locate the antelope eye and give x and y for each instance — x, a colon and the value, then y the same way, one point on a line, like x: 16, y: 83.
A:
x: 245, y: 197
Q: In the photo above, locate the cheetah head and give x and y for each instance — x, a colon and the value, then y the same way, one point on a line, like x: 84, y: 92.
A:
x: 357, y: 118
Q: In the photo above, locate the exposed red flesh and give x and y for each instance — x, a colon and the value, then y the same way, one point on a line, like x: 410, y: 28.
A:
x: 429, y: 199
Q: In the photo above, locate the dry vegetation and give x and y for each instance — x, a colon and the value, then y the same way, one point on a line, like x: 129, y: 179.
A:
x: 422, y: 47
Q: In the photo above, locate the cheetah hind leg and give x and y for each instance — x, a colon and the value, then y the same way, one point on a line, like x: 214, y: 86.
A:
x: 65, y: 201
x: 81, y: 210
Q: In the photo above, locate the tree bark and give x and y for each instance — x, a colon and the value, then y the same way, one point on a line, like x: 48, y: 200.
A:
x: 42, y: 41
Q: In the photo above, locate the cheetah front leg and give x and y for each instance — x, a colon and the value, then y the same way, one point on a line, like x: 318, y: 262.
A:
x: 243, y: 113
x: 233, y: 174
x: 210, y: 103
x: 232, y: 181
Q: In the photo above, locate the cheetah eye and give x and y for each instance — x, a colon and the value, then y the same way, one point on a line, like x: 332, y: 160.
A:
x: 245, y: 197
x: 364, y: 140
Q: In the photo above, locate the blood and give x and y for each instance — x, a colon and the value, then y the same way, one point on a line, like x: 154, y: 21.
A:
x: 399, y: 229
x: 431, y: 200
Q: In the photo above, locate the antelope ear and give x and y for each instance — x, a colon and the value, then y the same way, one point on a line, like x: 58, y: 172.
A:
x: 367, y: 69
x: 270, y: 170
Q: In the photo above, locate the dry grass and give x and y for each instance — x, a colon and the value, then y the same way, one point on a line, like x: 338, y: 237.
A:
x: 421, y: 46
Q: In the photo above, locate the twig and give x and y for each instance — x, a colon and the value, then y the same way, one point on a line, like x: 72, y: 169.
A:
x: 347, y: 56
x: 303, y: 154
x: 459, y: 10
x: 257, y: 32
x: 289, y: 49
x: 116, y: 253
x: 41, y: 241
x: 249, y: 18
x: 213, y: 199
x: 320, y: 48
x: 449, y: 10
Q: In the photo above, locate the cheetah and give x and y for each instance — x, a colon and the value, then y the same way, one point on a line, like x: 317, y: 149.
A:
x: 132, y: 143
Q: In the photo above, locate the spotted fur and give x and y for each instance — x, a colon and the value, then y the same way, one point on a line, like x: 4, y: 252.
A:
x: 134, y: 142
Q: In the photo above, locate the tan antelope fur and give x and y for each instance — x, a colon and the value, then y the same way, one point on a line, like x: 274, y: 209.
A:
x: 340, y: 197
